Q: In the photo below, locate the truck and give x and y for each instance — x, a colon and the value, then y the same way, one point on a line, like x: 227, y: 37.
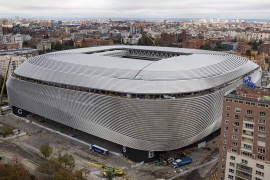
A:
x: 181, y: 162
x: 99, y: 149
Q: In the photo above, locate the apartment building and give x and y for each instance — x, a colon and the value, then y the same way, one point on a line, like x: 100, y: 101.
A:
x: 244, y: 151
x: 15, y: 62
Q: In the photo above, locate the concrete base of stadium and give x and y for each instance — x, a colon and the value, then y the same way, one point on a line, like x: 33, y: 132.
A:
x: 136, y: 155
x: 19, y: 112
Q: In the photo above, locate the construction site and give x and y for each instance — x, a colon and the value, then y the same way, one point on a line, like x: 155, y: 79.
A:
x: 24, y: 150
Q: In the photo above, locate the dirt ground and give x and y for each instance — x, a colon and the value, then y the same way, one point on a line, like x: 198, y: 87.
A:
x: 25, y: 150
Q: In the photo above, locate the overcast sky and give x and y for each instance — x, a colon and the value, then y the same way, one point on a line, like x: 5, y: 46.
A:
x: 222, y: 9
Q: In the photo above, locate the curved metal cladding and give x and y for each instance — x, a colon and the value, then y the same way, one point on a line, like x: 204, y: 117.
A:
x: 150, y: 125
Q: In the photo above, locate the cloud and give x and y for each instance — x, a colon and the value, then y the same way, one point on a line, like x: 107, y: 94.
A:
x: 137, y: 9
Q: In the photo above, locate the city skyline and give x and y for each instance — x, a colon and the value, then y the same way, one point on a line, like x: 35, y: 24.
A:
x: 141, y: 9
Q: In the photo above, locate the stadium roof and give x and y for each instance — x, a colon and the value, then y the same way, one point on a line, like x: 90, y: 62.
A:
x: 137, y: 69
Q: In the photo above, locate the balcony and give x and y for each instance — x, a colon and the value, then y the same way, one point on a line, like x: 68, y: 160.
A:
x: 247, y: 132
x: 249, y: 119
x: 243, y: 174
x: 244, y: 168
x: 247, y: 140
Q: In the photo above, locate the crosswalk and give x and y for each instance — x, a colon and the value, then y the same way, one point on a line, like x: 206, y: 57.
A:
x: 213, y: 177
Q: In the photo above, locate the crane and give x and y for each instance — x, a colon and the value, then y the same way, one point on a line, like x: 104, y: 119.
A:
x: 3, y: 86
x: 150, y: 39
x: 116, y: 171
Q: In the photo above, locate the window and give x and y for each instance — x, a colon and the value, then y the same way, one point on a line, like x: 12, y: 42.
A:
x: 236, y: 116
x: 240, y: 102
x: 226, y: 121
x: 249, y: 111
x: 225, y: 141
x: 232, y: 158
x: 232, y: 164
x: 230, y: 176
x: 261, y: 158
x: 234, y: 150
x: 244, y: 161
x: 238, y: 110
x: 261, y: 143
x: 224, y: 148
x: 223, y: 160
x: 262, y: 113
x: 225, y: 135
x: 226, y: 128
x: 261, y: 151
x: 259, y: 166
x: 244, y: 153
x: 261, y: 128
x: 231, y: 170
x: 247, y: 103
x: 236, y: 123
x: 234, y: 137
x: 228, y: 108
x: 228, y: 100
x: 257, y: 178
x: 236, y: 130
x: 263, y: 136
x: 261, y: 121
x: 263, y: 105
x: 224, y: 154
x: 227, y: 115
x: 246, y: 146
x: 259, y: 173
x: 234, y: 143
x: 249, y: 126
x: 222, y: 166
x: 253, y: 104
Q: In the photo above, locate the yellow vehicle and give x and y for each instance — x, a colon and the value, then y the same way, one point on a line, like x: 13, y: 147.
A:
x: 117, y: 172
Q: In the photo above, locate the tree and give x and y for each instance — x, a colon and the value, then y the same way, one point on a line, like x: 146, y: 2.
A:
x: 67, y: 160
x: 46, y: 150
x: 14, y: 172
x: 109, y: 175
x: 63, y: 174
x: 255, y: 46
x: 248, y: 52
x: 7, y: 130
x: 56, y: 171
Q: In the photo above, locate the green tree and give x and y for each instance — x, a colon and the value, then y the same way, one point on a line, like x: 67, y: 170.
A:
x: 248, y: 52
x: 109, y: 175
x: 67, y: 159
x: 7, y: 130
x: 46, y: 150
x: 255, y: 46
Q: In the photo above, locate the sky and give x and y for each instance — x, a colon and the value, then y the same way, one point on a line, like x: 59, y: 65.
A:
x: 156, y: 9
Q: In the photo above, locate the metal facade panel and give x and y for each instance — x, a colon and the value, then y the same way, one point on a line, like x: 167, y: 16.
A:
x: 152, y: 125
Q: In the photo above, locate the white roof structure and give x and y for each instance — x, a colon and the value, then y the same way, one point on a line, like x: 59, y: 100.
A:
x: 137, y: 69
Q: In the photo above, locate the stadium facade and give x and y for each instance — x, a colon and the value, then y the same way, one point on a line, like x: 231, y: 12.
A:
x: 147, y: 99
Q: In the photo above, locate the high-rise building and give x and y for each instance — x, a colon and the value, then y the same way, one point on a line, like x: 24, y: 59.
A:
x: 17, y: 19
x: 244, y: 152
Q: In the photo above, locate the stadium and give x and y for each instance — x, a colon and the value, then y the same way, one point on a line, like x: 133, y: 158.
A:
x: 146, y: 99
